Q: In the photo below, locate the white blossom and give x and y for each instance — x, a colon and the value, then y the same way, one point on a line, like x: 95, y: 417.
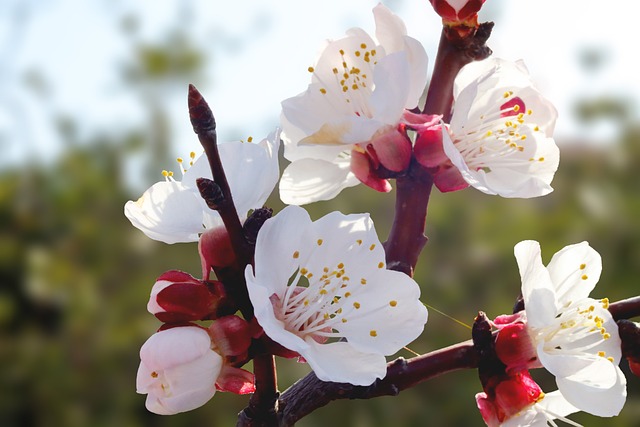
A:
x: 321, y: 289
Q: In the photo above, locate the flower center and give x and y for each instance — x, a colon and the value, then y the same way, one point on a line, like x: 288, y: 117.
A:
x: 349, y: 82
x: 317, y: 304
x: 492, y: 140
x: 577, y: 329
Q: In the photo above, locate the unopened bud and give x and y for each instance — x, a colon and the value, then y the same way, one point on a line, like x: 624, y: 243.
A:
x: 179, y: 297
x: 210, y: 192
x: 255, y: 221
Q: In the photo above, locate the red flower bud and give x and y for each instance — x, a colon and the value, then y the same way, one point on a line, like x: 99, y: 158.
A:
x: 458, y: 12
x: 231, y: 335
x: 506, y: 396
x: 515, y: 348
x: 215, y: 250
x: 179, y: 297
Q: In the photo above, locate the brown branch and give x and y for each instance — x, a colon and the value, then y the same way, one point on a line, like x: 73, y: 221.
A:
x: 204, y: 125
x: 310, y: 393
x: 626, y: 308
x: 262, y: 408
x: 406, y: 238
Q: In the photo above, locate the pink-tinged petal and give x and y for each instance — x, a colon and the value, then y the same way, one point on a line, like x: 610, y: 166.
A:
x: 487, y: 410
x: 173, y: 347
x: 586, y: 393
x: 448, y: 178
x: 362, y: 169
x: 340, y: 362
x: 537, y: 291
x: 168, y: 212
x: 230, y: 335
x: 428, y: 147
x: 393, y: 149
x: 236, y: 380
x: 215, y: 249
x: 310, y: 180
x: 574, y: 271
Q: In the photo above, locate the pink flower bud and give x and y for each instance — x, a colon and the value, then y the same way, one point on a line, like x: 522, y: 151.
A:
x: 215, y: 250
x: 178, y: 370
x: 179, y: 297
x: 363, y: 168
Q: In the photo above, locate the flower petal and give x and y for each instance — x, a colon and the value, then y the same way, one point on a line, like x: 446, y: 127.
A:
x: 168, y: 212
x: 340, y: 362
x: 539, y: 299
x: 310, y: 180
x: 574, y: 271
x: 585, y: 392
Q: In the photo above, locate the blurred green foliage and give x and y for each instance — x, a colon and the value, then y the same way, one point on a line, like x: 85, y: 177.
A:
x: 76, y: 276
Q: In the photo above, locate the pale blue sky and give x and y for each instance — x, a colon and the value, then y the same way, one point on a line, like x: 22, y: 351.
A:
x: 258, y: 52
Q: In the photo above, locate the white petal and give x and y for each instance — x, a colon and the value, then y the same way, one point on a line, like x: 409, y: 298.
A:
x: 340, y: 362
x: 193, y: 385
x: 392, y: 80
x: 280, y: 244
x: 574, y: 271
x: 168, y: 212
x: 390, y: 29
x: 175, y: 346
x: 539, y: 299
x: 552, y: 406
x: 310, y: 180
x: 603, y: 402
x: 590, y: 367
x: 388, y: 304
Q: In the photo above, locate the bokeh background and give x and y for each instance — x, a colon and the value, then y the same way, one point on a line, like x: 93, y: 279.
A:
x: 93, y: 107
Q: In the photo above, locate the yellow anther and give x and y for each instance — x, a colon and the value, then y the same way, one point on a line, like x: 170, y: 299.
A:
x: 393, y: 303
x: 363, y: 46
x: 341, y: 266
x: 192, y: 154
x: 335, y: 71
x: 347, y: 294
x: 584, y: 277
x: 296, y: 255
x: 529, y: 112
x: 356, y: 305
x: 343, y: 320
x: 179, y: 160
x: 505, y: 95
x: 154, y: 374
x: 323, y: 291
x: 341, y: 52
x: 311, y: 69
x: 372, y: 247
x: 363, y: 281
x: 165, y: 173
x: 606, y: 335
x: 250, y: 139
x: 605, y: 303
x: 306, y: 302
x: 583, y: 266
x: 303, y: 271
x: 537, y: 128
x: 373, y: 52
x: 319, y: 242
x: 359, y: 241
x: 541, y: 159
x: 373, y: 333
x: 516, y: 107
x: 357, y: 53
x: 381, y: 264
